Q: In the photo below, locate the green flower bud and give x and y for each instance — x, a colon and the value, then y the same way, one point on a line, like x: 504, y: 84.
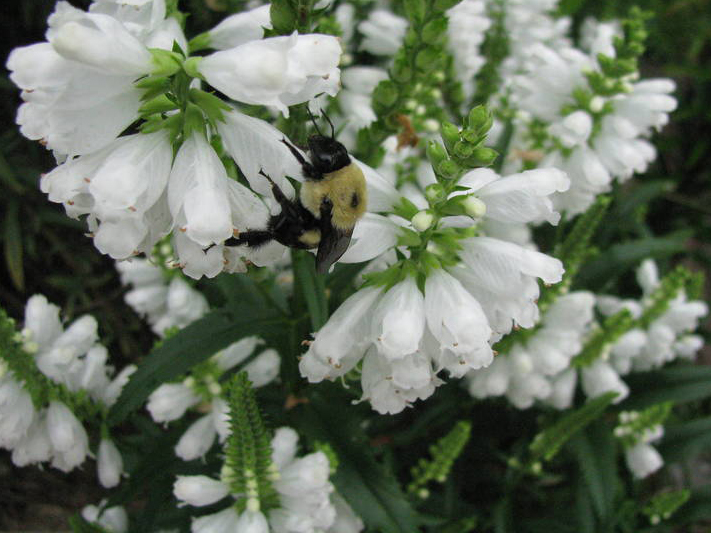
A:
x: 402, y: 71
x: 448, y: 169
x: 385, y: 93
x: 434, y: 192
x: 450, y: 134
x: 415, y: 9
x: 478, y: 118
x: 435, y: 31
x: 485, y: 156
x: 422, y: 220
x: 474, y: 207
x: 427, y: 59
x: 436, y: 153
x: 463, y: 149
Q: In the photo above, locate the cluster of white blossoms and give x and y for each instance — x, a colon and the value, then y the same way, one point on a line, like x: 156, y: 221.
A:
x: 541, y: 369
x: 166, y: 304
x: 408, y: 332
x: 104, y: 70
x: 35, y: 423
x: 570, y: 116
x: 308, y: 502
x: 201, y: 390
x: 641, y: 457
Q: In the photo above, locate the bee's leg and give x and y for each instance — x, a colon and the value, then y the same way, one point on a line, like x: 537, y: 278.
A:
x: 252, y: 238
x: 309, y: 170
x: 279, y: 196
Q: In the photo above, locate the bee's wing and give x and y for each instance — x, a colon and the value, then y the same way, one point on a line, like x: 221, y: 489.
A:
x: 334, y: 243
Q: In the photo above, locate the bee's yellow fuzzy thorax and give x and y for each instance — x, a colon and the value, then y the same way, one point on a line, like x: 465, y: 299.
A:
x: 347, y: 191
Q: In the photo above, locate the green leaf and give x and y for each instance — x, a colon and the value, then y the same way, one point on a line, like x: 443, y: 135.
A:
x: 79, y: 525
x: 12, y: 245
x: 684, y: 441
x: 595, y: 452
x: 621, y: 257
x: 678, y: 384
x: 547, y: 443
x: 368, y: 486
x: 190, y: 346
x: 311, y: 286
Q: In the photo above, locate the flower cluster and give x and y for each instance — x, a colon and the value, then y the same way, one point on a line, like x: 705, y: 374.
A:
x: 585, y: 112
x: 456, y: 291
x: 49, y: 376
x: 546, y: 366
x: 307, y: 501
x: 110, y: 68
x: 201, y: 389
x: 166, y: 304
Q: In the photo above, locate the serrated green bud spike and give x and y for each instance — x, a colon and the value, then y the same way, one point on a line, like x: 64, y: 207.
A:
x: 385, y: 93
x: 165, y: 63
x: 484, y: 156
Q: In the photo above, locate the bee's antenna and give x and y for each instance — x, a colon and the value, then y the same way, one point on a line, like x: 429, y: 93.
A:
x: 313, y: 120
x: 333, y: 130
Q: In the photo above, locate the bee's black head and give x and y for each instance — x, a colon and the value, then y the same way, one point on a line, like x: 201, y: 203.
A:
x: 327, y: 154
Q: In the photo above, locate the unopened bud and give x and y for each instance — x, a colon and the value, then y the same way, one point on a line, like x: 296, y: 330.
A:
x: 596, y: 104
x: 474, y: 207
x: 434, y: 192
x: 422, y: 220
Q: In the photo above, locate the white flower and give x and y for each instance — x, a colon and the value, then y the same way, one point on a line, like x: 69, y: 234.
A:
x: 341, y: 342
x: 199, y: 490
x: 78, y: 87
x: 643, y: 459
x: 458, y: 323
x: 465, y: 34
x: 35, y: 446
x: 198, y: 439
x: 70, y: 443
x: 240, y: 28
x: 224, y: 521
x: 197, y: 193
x: 278, y: 71
x: 383, y: 32
x: 97, y: 40
x: 303, y: 488
x: 398, y: 321
x: 170, y: 401
x: 113, y: 519
x: 109, y: 463
x: 599, y: 378
x: 16, y: 412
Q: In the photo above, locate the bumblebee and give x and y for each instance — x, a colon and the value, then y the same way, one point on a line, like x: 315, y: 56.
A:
x: 332, y: 199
